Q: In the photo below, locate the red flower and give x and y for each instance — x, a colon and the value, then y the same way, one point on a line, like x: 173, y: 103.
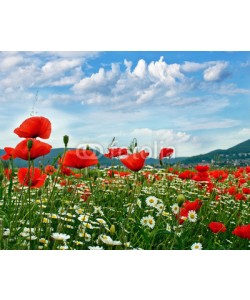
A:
x: 165, y: 152
x: 49, y: 170
x: 35, y: 176
x: 135, y: 162
x: 114, y: 152
x: 242, y: 231
x: 7, y: 173
x: 217, y: 227
x: 9, y: 153
x: 187, y: 174
x: 79, y: 159
x: 186, y: 207
x: 200, y: 168
x: 38, y: 149
x: 195, y: 205
x: 121, y: 174
x: 34, y: 127
x: 246, y: 190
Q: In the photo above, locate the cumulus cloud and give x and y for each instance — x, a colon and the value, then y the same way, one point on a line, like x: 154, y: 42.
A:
x: 217, y: 72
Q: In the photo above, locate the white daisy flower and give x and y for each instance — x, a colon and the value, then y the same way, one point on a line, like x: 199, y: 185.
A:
x: 78, y: 243
x: 144, y: 221
x: 151, y: 222
x: 83, y: 218
x: 63, y: 247
x: 151, y: 201
x: 192, y: 216
x: 175, y: 208
x: 60, y: 236
x: 196, y: 246
x: 105, y: 238
x: 101, y: 221
x: 168, y: 228
x: 95, y: 248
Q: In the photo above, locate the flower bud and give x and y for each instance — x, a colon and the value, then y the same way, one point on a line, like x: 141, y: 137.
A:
x: 66, y: 140
x: 29, y: 144
x: 112, y: 229
x: 180, y: 199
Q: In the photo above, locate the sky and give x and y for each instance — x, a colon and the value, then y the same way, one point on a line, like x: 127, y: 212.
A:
x: 193, y: 101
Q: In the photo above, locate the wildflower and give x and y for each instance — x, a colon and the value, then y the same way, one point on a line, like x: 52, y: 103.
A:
x: 60, y: 236
x: 192, y: 216
x: 33, y: 177
x: 138, y: 202
x: 83, y: 218
x: 168, y: 228
x: 151, y: 222
x: 151, y: 201
x: 9, y: 153
x: 144, y: 221
x: 196, y: 246
x: 63, y: 247
x: 43, y: 241
x: 242, y: 231
x: 34, y: 127
x: 95, y: 248
x: 165, y: 152
x: 175, y: 208
x: 79, y: 158
x: 114, y: 152
x: 78, y: 243
x: 38, y: 149
x: 217, y: 227
x: 101, y: 221
x: 135, y: 162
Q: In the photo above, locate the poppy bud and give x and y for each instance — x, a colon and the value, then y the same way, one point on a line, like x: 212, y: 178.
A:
x: 112, y: 229
x: 29, y: 144
x: 66, y: 140
x: 180, y: 199
x: 87, y: 147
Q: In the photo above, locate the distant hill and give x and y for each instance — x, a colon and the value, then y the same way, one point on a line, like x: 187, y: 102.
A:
x: 104, y: 161
x: 238, y: 152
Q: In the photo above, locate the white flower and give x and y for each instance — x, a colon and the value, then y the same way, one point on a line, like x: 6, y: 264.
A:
x: 151, y: 201
x: 83, y: 218
x: 95, y: 248
x: 192, y: 216
x: 151, y: 222
x: 43, y: 241
x: 168, y: 228
x: 160, y: 207
x: 63, y: 247
x: 101, y: 221
x: 175, y: 208
x: 6, y: 232
x: 196, y: 246
x: 108, y: 240
x: 148, y: 221
x: 78, y: 243
x: 144, y: 221
x: 60, y: 236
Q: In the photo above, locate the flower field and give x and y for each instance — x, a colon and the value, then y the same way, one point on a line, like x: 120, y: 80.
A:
x: 76, y: 205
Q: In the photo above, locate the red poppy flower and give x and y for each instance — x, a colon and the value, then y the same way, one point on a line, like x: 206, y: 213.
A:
x: 165, y: 152
x: 187, y: 174
x: 195, y: 205
x: 242, y: 231
x: 34, y: 176
x: 79, y: 159
x: 34, y: 127
x: 49, y: 170
x: 200, y: 168
x: 186, y: 207
x: 38, y: 149
x: 9, y: 153
x: 114, y: 152
x: 135, y: 162
x: 217, y: 227
x: 7, y: 173
x: 111, y: 173
x: 246, y: 190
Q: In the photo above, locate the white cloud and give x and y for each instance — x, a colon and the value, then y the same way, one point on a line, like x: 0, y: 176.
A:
x: 52, y: 68
x: 10, y: 62
x: 189, y: 66
x: 217, y: 72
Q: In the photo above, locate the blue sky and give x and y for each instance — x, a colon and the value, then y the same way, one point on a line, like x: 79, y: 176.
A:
x: 193, y: 101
